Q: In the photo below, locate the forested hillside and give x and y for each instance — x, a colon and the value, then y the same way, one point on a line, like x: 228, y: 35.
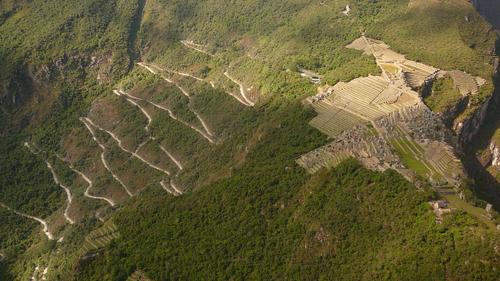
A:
x: 159, y: 140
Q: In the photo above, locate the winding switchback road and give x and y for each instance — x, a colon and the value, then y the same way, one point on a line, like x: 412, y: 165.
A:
x: 196, y: 47
x: 171, y: 114
x: 150, y: 119
x: 120, y: 144
x: 66, y: 189
x: 103, y: 157
x: 41, y: 221
x: 247, y: 101
x: 89, y: 182
x: 184, y: 92
x: 56, y: 181
x: 177, y: 162
x: 171, y: 188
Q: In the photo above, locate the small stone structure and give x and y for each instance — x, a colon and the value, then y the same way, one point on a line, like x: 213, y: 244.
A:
x: 314, y: 77
x: 440, y: 208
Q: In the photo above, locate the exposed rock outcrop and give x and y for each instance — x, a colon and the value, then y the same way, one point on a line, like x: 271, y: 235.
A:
x: 467, y: 129
x: 495, y: 155
x: 452, y: 112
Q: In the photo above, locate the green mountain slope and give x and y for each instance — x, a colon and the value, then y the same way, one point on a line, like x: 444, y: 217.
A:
x: 160, y: 138
x: 270, y: 221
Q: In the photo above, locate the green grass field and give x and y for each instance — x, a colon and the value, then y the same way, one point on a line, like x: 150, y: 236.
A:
x: 444, y: 95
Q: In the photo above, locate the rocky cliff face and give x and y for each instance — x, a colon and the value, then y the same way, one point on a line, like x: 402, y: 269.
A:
x: 483, y: 155
x: 490, y: 9
x: 495, y: 153
x: 468, y: 129
x: 450, y: 114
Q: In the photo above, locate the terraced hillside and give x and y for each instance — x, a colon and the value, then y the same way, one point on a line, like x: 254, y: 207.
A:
x: 386, y: 101
x: 182, y: 140
x: 408, y: 138
x: 99, y: 238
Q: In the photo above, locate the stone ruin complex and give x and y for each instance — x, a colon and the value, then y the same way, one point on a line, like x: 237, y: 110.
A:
x: 376, y: 118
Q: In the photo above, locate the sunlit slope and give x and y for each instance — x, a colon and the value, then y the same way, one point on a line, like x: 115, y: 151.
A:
x: 181, y: 121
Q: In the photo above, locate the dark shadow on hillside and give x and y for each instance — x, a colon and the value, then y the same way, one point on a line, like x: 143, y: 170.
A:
x: 486, y: 186
x: 4, y: 274
x: 497, y: 43
x: 490, y: 10
x: 135, y: 26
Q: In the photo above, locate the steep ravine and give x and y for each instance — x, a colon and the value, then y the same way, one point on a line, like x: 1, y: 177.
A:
x: 469, y: 129
x: 475, y: 136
